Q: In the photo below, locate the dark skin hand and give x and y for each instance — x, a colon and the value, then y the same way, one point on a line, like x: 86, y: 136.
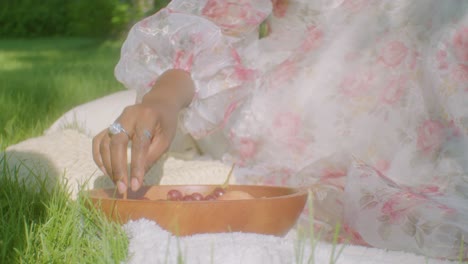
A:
x: 158, y: 115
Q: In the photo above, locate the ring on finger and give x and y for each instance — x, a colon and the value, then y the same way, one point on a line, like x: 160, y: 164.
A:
x: 116, y: 128
x: 147, y: 134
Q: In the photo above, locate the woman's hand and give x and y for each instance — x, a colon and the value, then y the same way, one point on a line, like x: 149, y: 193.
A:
x: 150, y: 126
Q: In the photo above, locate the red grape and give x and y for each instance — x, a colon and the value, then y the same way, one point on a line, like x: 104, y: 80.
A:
x: 218, y: 192
x: 174, y: 195
x: 197, y: 196
x: 210, y: 197
x: 188, y: 198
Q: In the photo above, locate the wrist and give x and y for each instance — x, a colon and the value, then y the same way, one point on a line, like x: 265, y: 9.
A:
x: 174, y: 87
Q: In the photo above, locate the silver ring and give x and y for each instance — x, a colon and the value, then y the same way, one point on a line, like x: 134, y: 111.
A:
x: 116, y: 128
x: 147, y: 134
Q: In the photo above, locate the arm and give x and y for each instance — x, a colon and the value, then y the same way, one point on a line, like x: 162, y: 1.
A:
x: 191, y: 40
x: 151, y: 126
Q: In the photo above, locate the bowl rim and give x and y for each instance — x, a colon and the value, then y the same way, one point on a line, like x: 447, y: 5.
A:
x: 296, y: 192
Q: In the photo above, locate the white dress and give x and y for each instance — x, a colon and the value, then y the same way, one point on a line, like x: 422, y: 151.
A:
x: 366, y: 101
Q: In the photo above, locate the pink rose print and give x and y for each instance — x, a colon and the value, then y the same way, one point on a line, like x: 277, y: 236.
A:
x: 280, y: 7
x: 397, y: 207
x: 430, y: 136
x: 233, y: 16
x: 183, y: 61
x: 429, y: 189
x: 247, y: 148
x: 312, y: 40
x: 394, y: 90
x: 287, y: 126
x: 393, y: 53
x: 352, y: 236
x: 382, y: 165
x: 283, y: 72
x: 334, y: 177
x: 356, y: 84
x: 456, y: 131
x: 144, y: 24
x: 230, y: 109
x: 242, y: 73
x: 235, y: 55
x: 151, y: 84
x: 460, y: 44
x: 460, y: 74
x: 278, y: 177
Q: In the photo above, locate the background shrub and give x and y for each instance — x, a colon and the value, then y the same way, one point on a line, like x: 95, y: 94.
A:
x: 80, y: 18
x: 93, y: 18
x: 32, y: 18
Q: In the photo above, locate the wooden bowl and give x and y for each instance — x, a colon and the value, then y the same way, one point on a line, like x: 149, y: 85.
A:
x: 274, y: 210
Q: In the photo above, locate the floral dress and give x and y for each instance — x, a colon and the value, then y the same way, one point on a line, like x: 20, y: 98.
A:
x: 363, y: 101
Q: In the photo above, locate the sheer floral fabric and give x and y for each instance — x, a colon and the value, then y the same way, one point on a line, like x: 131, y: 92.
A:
x: 365, y: 101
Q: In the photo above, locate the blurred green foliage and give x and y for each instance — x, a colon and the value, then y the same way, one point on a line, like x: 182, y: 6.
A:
x: 79, y: 18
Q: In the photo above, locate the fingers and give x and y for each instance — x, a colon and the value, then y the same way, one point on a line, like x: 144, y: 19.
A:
x: 150, y: 139
x: 97, y: 141
x: 110, y: 155
x: 118, y: 160
x: 140, y: 145
x: 159, y: 145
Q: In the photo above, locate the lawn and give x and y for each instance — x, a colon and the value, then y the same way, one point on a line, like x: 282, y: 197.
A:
x: 40, y: 80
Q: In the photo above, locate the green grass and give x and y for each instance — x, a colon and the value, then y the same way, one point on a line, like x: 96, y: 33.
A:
x: 40, y: 80
x: 42, y: 225
x: 44, y: 78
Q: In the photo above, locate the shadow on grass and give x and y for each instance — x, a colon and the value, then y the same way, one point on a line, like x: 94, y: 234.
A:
x: 24, y: 196
x: 40, y: 223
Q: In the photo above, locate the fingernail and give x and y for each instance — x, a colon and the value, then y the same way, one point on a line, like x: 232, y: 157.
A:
x: 135, y: 184
x: 103, y: 169
x: 121, y: 187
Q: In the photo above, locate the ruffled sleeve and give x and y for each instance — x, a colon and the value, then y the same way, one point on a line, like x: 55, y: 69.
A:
x: 195, y: 36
